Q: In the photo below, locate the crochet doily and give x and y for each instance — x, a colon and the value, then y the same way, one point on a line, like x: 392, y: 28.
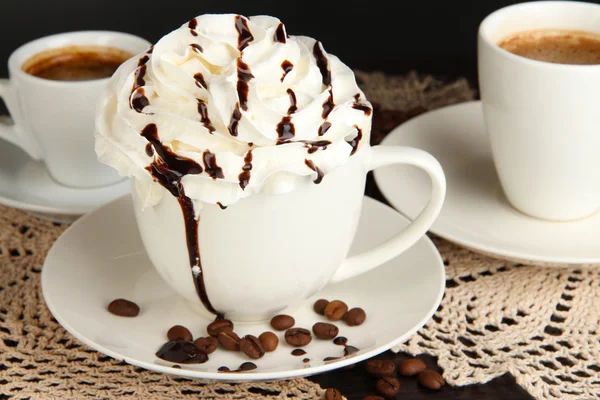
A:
x: 40, y: 360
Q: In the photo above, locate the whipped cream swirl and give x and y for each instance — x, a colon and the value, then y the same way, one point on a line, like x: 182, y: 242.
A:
x: 230, y: 106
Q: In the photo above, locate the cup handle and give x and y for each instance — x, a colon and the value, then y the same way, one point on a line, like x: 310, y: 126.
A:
x: 10, y: 130
x: 386, y: 155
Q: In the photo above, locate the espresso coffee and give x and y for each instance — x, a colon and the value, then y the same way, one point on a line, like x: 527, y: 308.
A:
x: 555, y: 46
x: 76, y: 63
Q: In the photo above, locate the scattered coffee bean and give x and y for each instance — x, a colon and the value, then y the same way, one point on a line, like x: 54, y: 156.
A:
x: 431, y: 379
x: 181, y: 351
x: 247, y: 366
x: 320, y: 305
x: 331, y: 359
x: 349, y: 350
x: 333, y: 394
x: 411, y: 367
x: 177, y: 366
x: 373, y: 398
x: 336, y: 310
x: 298, y: 337
x: 269, y: 341
x: 179, y: 332
x: 340, y: 341
x: 282, y: 322
x: 306, y: 360
x: 229, y: 341
x: 252, y: 347
x: 356, y: 316
x: 325, y: 330
x: 218, y: 326
x: 388, y: 386
x: 298, y: 352
x: 124, y: 308
x: 380, y: 368
x: 207, y: 344
x: 224, y: 369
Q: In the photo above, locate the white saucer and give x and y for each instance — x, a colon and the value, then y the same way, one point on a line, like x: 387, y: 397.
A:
x: 476, y: 214
x: 25, y: 184
x: 100, y: 258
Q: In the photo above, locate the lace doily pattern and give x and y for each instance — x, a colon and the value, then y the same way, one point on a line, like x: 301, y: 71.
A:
x: 540, y: 324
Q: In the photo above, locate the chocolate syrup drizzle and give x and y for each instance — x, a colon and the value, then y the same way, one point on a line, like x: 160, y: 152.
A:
x: 197, y: 48
x: 192, y: 25
x: 287, y: 67
x: 362, y: 107
x: 199, y: 80
x: 324, y: 128
x: 235, y: 120
x: 280, y: 34
x: 293, y: 108
x: 138, y: 99
x: 328, y: 105
x: 244, y: 76
x: 203, y: 110
x: 244, y: 176
x: 310, y: 164
x: 168, y: 171
x: 322, y: 63
x: 285, y: 129
x: 210, y: 165
x: 244, y: 34
x: 221, y: 205
x: 354, y: 142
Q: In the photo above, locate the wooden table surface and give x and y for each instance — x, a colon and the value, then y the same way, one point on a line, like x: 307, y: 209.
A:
x: 355, y: 383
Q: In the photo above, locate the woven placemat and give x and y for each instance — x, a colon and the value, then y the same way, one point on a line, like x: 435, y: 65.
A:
x: 40, y: 360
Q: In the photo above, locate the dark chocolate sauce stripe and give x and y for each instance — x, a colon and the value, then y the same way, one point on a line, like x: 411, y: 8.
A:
x: 310, y: 164
x: 236, y: 116
x: 197, y: 48
x: 285, y: 129
x: 354, y: 142
x: 203, y: 111
x: 293, y: 108
x: 137, y: 98
x: 328, y: 105
x: 210, y: 165
x: 280, y: 35
x: 287, y: 67
x: 192, y: 25
x: 199, y: 80
x: 244, y: 75
x: 322, y: 63
x: 244, y: 34
x: 324, y: 128
x: 362, y: 107
x: 244, y: 176
x: 168, y: 171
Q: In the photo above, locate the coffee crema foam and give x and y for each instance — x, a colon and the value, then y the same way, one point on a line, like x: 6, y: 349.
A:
x: 226, y: 107
x: 555, y: 46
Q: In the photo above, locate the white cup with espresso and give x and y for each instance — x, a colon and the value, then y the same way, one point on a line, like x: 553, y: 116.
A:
x: 54, y: 85
x: 539, y: 76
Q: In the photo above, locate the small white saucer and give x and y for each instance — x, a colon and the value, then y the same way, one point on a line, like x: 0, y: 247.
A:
x: 100, y: 258
x: 476, y: 214
x: 25, y: 184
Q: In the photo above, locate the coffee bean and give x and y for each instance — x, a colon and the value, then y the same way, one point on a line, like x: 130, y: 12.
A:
x: 373, y: 398
x: 218, y: 326
x: 179, y: 332
x: 282, y: 322
x: 269, y: 341
x: 335, y: 310
x: 388, y: 386
x: 181, y: 351
x: 431, y: 379
x: 411, y: 367
x: 229, y: 340
x: 252, y: 347
x: 380, y: 368
x: 207, y: 344
x: 333, y: 394
x: 124, y: 308
x: 298, y: 337
x: 356, y: 316
x: 324, y: 330
x: 320, y: 305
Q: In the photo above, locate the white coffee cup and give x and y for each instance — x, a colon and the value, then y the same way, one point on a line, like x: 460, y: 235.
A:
x: 54, y: 120
x: 543, y: 119
x: 267, y: 253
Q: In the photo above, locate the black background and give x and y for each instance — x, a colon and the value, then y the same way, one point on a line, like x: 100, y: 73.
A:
x: 433, y: 36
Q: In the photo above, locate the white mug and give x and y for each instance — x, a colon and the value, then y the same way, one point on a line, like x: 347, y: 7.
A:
x: 54, y: 120
x: 543, y: 119
x: 266, y: 253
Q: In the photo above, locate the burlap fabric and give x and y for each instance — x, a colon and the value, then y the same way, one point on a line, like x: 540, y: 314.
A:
x: 539, y: 324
